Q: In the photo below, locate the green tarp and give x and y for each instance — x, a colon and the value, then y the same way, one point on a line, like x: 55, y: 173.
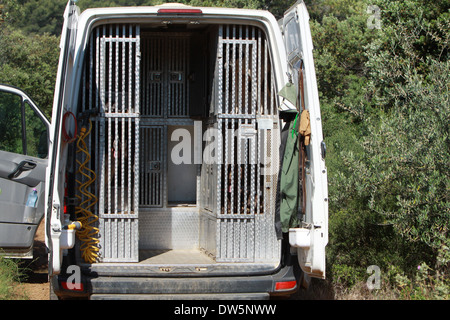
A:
x: 297, y: 127
x: 289, y: 181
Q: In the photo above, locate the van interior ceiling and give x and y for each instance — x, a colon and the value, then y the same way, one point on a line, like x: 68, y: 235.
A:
x: 181, y: 118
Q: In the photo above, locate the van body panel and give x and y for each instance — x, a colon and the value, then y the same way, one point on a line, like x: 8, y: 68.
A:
x: 54, y: 188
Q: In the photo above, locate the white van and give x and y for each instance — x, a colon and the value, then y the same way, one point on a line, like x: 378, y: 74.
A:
x: 165, y: 171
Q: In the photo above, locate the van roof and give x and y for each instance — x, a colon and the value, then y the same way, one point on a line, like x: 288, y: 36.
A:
x: 206, y: 12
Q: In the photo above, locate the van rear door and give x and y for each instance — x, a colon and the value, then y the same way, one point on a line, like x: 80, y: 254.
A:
x: 23, y: 161
x: 312, y: 237
x: 61, y: 103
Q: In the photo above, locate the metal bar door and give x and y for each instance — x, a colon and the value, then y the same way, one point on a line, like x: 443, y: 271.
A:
x: 118, y: 66
x: 247, y: 122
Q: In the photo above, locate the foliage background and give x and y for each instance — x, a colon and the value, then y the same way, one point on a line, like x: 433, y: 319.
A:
x: 384, y: 96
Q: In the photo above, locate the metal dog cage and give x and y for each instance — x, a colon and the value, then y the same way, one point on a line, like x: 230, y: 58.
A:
x: 141, y: 85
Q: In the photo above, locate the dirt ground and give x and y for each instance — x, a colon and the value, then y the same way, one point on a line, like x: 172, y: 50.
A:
x: 36, y: 286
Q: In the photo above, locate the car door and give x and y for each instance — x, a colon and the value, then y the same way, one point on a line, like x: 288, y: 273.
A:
x: 23, y: 162
x: 62, y: 101
x: 312, y: 236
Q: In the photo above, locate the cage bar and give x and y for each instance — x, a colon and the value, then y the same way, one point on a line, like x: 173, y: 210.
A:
x: 113, y: 93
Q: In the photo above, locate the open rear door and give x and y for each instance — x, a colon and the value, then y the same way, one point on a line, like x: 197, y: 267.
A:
x: 312, y: 237
x: 62, y: 101
x: 23, y: 161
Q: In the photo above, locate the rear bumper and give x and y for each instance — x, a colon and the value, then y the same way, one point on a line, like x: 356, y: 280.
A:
x: 183, y: 288
x: 198, y: 296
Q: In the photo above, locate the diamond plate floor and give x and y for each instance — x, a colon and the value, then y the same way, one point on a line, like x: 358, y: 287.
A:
x: 174, y: 257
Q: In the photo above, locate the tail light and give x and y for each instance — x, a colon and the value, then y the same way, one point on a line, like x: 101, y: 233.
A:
x: 180, y: 12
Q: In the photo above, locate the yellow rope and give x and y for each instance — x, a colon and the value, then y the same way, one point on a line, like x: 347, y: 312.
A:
x: 88, y: 233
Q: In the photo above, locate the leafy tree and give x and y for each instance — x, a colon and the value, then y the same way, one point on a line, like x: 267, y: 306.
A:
x: 407, y: 145
x: 30, y: 62
x: 397, y: 174
x: 37, y: 16
x: 384, y: 99
x: 5, y: 8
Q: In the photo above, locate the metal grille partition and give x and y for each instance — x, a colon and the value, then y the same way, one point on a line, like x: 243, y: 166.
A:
x: 165, y: 66
x: 152, y: 166
x: 165, y: 102
x: 240, y: 188
x: 111, y: 91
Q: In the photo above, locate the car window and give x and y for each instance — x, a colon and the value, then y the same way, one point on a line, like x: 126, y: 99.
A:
x: 11, y: 123
x: 22, y: 130
x: 36, y: 133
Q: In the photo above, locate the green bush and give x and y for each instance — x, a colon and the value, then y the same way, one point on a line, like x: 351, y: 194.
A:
x: 29, y: 61
x: 386, y: 126
x: 407, y: 146
x: 10, y: 275
x: 425, y: 284
x: 346, y: 275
